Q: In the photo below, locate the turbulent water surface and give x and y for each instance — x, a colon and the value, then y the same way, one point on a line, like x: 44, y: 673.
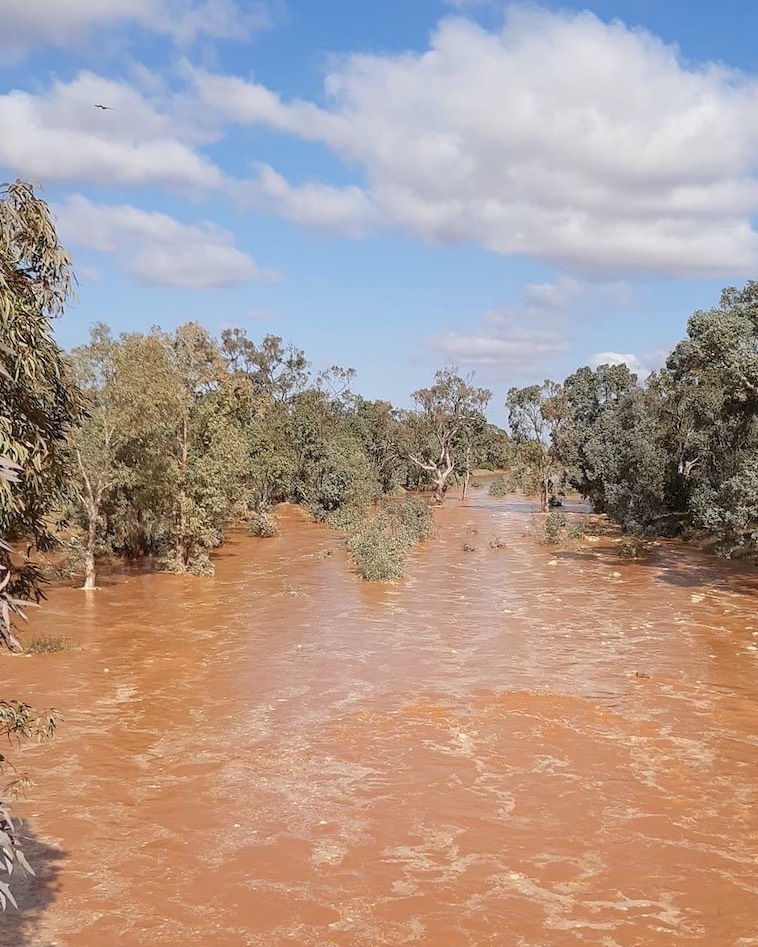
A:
x: 514, y: 746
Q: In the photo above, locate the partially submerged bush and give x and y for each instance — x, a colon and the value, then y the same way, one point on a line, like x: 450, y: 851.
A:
x: 49, y: 644
x: 200, y: 564
x: 380, y: 544
x: 260, y: 524
x: 634, y: 547
x: 497, y: 542
x: 552, y: 529
x: 500, y: 487
x: 348, y: 518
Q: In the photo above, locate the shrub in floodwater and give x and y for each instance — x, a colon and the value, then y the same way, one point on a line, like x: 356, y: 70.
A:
x: 262, y: 525
x: 500, y: 487
x: 552, y: 529
x: 200, y: 565
x: 576, y: 531
x: 468, y: 547
x: 348, y: 518
x: 497, y: 542
x: 634, y: 547
x: 49, y: 644
x: 380, y: 543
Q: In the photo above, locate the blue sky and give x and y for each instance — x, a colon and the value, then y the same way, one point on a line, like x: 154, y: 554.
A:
x: 516, y: 189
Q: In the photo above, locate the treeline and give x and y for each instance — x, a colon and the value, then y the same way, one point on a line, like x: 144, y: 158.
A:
x: 677, y: 455
x: 183, y: 434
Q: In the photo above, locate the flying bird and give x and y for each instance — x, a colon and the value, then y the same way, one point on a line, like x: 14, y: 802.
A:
x: 105, y: 108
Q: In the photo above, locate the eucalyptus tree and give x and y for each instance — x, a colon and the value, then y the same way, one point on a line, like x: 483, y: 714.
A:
x: 449, y: 415
x: 38, y: 407
x: 590, y: 442
x: 714, y: 373
x: 273, y: 368
x: 98, y: 439
x: 537, y: 418
x: 384, y: 439
x: 617, y: 445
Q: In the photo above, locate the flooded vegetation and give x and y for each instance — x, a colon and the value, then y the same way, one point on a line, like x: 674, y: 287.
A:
x: 330, y: 682
x: 519, y: 744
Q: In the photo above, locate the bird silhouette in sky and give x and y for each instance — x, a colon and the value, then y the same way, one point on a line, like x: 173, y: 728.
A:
x: 105, y: 108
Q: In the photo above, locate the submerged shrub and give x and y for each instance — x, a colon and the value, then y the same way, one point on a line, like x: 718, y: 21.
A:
x: 200, y: 564
x: 634, y: 547
x: 500, y: 487
x: 380, y: 543
x: 576, y: 531
x: 262, y: 525
x: 347, y: 518
x: 49, y: 644
x: 552, y: 529
x: 379, y: 556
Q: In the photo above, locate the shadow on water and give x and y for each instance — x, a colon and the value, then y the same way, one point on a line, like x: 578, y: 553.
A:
x: 34, y: 894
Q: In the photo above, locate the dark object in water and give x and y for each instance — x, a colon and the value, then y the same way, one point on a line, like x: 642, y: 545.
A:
x: 554, y: 501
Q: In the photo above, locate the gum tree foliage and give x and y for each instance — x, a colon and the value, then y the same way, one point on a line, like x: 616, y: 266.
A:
x: 446, y: 426
x: 96, y: 443
x: 38, y: 407
x: 163, y: 446
x: 714, y: 381
x: 296, y: 428
x: 614, y: 444
x: 537, y: 417
x: 384, y: 439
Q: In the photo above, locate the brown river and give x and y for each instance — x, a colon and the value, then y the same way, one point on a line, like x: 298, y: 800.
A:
x: 515, y: 746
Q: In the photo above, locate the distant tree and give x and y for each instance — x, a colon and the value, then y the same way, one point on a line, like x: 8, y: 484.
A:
x: 448, y: 417
x: 384, y: 438
x: 273, y: 368
x: 98, y: 439
x: 536, y: 417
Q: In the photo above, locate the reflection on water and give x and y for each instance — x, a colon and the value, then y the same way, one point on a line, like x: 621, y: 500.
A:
x: 514, y: 746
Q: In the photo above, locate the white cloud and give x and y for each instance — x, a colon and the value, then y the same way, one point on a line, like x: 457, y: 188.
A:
x: 584, y: 144
x: 504, y: 343
x: 517, y: 339
x: 641, y: 365
x: 337, y: 210
x: 522, y: 339
x: 61, y: 136
x: 65, y: 23
x: 160, y: 250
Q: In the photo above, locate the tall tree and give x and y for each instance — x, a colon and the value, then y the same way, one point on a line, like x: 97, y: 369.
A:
x: 449, y: 413
x: 38, y: 407
x: 98, y: 439
x: 714, y: 371
x: 536, y: 417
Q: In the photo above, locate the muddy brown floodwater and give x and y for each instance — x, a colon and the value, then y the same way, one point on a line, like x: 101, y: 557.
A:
x: 512, y: 747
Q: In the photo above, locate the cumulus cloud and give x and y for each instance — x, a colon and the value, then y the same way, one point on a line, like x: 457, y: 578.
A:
x: 61, y: 136
x: 345, y: 210
x: 63, y: 23
x: 160, y: 250
x: 585, y: 144
x: 522, y: 339
x: 641, y: 365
